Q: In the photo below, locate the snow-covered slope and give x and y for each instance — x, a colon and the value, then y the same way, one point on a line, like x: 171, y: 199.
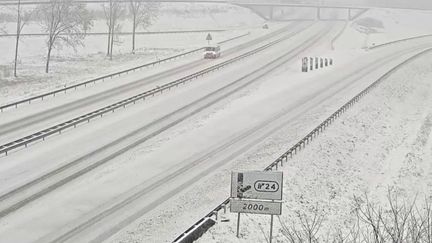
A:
x: 385, y: 25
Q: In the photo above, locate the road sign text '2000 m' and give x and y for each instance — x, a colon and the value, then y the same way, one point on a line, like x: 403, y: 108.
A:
x: 256, y: 207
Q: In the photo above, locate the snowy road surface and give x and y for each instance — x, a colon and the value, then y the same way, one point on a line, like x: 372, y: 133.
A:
x: 154, y: 109
x: 16, y: 124
x: 214, y: 121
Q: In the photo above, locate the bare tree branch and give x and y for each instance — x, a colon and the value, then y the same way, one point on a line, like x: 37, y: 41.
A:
x: 142, y: 14
x: 22, y: 18
x: 113, y: 12
x: 66, y: 22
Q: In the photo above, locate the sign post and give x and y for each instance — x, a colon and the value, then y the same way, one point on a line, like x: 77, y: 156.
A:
x: 209, y: 38
x: 238, y: 225
x: 256, y: 192
x: 271, y: 227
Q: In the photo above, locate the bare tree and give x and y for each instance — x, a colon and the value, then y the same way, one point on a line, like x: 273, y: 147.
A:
x: 142, y: 14
x: 308, y: 231
x: 66, y: 22
x: 113, y: 12
x: 22, y: 19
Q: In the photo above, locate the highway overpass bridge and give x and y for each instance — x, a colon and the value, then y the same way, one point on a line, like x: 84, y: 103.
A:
x: 354, y: 8
x: 273, y: 9
x: 268, y: 10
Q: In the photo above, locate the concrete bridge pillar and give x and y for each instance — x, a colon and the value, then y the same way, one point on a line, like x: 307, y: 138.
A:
x: 271, y: 13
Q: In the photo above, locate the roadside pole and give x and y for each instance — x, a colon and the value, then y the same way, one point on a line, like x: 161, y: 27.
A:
x: 238, y: 225
x: 271, y: 228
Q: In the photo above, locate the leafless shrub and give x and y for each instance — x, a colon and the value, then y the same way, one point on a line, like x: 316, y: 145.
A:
x: 371, y: 216
x: 399, y: 221
x: 307, y: 228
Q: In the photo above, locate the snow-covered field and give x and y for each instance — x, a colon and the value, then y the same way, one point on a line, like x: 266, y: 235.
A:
x: 378, y: 26
x: 70, y: 66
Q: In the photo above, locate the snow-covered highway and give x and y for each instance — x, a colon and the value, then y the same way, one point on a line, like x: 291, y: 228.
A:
x: 40, y: 115
x: 159, y: 125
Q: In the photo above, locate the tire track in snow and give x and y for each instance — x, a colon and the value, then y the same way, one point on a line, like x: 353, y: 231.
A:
x: 112, y: 209
x: 41, y: 186
x: 264, y: 129
x: 13, y: 126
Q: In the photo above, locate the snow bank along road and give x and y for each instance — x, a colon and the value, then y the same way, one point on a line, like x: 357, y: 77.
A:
x: 101, y: 201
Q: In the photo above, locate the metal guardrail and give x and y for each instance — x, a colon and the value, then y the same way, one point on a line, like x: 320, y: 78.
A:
x: 93, y: 81
x: 41, y: 135
x: 234, y: 38
x: 339, y: 34
x: 399, y: 41
x: 112, y: 75
x: 304, y: 141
